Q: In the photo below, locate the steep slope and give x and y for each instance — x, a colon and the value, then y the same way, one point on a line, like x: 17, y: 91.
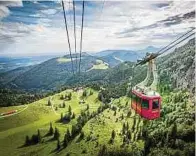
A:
x: 11, y: 75
x: 178, y: 68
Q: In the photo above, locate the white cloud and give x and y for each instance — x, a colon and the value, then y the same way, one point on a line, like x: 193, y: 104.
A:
x: 102, y: 31
x: 4, y: 11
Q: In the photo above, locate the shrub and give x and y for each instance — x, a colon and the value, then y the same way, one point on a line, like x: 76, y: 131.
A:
x: 129, y: 113
x: 84, y: 151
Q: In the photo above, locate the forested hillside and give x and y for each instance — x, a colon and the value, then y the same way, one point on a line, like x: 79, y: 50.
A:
x: 178, y: 68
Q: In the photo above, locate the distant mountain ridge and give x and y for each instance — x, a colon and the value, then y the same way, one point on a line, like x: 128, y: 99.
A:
x: 11, y: 63
x: 176, y: 68
x: 114, y: 57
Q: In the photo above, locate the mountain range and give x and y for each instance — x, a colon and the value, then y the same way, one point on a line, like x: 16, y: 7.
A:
x: 11, y: 63
x: 104, y: 67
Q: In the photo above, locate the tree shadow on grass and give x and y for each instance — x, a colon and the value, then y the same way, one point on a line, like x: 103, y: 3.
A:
x: 24, y: 145
x: 63, y: 122
x: 56, y: 150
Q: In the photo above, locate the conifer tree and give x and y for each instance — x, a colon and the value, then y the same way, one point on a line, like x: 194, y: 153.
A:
x: 27, y: 140
x: 51, y: 130
x: 129, y: 134
x: 49, y: 102
x: 69, y: 109
x: 68, y: 135
x: 87, y: 108
x: 63, y: 104
x: 58, y: 146
x: 73, y: 115
x: 56, y: 134
x: 115, y: 113
x: 61, y: 117
x: 65, y: 141
x: 39, y: 135
x: 113, y: 134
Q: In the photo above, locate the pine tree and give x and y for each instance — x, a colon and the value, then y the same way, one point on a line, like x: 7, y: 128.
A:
x: 51, y: 130
x: 69, y: 96
x: 84, y: 94
x: 63, y: 104
x: 129, y: 134
x: 87, y: 108
x: 73, y: 116
x: 39, y: 135
x: 129, y: 114
x: 102, y: 151
x: 123, y: 128
x: 91, y: 92
x: 62, y: 97
x: 115, y: 113
x: 127, y: 126
x: 65, y: 141
x: 56, y: 134
x: 122, y: 117
x: 49, y: 102
x: 134, y: 122
x: 68, y: 135
x: 27, y: 140
x: 124, y: 139
x: 61, y: 117
x: 113, y: 134
x: 81, y: 135
x: 58, y: 146
x: 174, y: 131
x: 69, y: 109
x: 73, y: 130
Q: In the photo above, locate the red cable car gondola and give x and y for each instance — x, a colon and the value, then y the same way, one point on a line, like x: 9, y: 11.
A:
x: 146, y: 105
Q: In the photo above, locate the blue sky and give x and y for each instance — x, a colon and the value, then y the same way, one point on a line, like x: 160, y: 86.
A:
x: 37, y: 27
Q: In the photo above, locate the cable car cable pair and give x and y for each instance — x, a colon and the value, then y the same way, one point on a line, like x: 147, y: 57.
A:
x: 68, y: 39
x: 65, y: 20
x: 81, y: 36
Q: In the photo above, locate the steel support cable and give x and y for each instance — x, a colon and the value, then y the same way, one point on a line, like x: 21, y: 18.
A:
x: 74, y: 19
x: 65, y: 19
x: 175, y: 40
x: 169, y: 46
x: 81, y: 36
x: 177, y: 43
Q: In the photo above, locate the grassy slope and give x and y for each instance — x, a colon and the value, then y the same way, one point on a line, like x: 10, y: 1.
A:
x: 37, y: 116
x: 100, y: 129
x: 100, y: 65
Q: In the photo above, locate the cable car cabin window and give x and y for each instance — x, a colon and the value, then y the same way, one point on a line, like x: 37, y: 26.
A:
x: 155, y: 104
x: 145, y: 104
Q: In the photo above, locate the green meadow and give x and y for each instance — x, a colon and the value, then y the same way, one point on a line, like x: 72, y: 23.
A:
x: 39, y: 115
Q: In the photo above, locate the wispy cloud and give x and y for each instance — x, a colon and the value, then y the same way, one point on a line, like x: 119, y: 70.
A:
x: 36, y: 28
